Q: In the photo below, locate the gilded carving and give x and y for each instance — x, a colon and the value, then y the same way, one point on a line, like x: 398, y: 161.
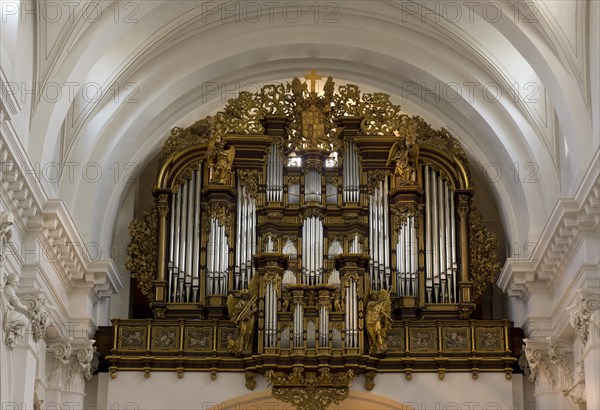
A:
x: 227, y: 335
x: 395, y: 340
x: 423, y: 339
x: 483, y: 244
x: 374, y: 178
x: 165, y: 338
x: 182, y: 138
x: 405, y: 155
x: 221, y: 213
x: 378, y: 320
x: 132, y: 338
x: 310, y: 391
x: 401, y: 214
x: 142, y: 251
x: 456, y: 339
x: 218, y: 159
x: 489, y: 339
x: 242, y: 311
x: 198, y: 339
x: 249, y: 179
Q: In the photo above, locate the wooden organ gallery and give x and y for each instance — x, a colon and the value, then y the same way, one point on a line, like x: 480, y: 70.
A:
x: 310, y: 238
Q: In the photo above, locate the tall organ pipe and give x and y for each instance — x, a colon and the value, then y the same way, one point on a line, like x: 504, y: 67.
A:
x: 171, y: 266
x: 428, y: 254
x: 196, y: 248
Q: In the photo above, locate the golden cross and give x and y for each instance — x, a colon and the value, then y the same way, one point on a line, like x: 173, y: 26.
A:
x: 313, y: 77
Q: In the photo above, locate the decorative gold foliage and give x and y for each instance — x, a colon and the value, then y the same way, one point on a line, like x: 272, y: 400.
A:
x: 484, y: 265
x: 182, y: 138
x: 245, y: 115
x: 375, y: 177
x: 142, y: 251
x: 310, y: 391
x: 249, y: 179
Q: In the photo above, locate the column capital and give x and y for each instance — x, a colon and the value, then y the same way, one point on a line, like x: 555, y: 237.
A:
x: 580, y: 313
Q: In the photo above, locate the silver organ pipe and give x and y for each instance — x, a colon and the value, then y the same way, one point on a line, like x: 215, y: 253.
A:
x: 270, y: 316
x: 274, y: 175
x: 298, y: 326
x: 428, y: 253
x: 171, y: 265
x: 378, y: 237
x: 190, y: 238
x: 312, y: 251
x: 351, y: 315
x: 355, y: 246
x: 245, y: 238
x: 351, y: 177
x: 434, y: 243
x: 312, y: 186
x: 452, y: 240
x: 182, y: 240
x: 440, y: 233
x: 196, y: 236
x: 323, y: 327
x: 441, y: 242
x: 386, y: 241
x: 183, y: 260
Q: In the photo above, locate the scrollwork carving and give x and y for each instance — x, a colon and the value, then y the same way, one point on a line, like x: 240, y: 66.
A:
x: 221, y: 213
x: 483, y: 258
x: 39, y: 310
x: 249, y: 179
x: 310, y: 391
x: 142, y: 251
x: 580, y: 313
x: 374, y: 178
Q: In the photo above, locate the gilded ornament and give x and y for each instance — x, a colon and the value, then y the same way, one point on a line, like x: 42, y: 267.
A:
x: 405, y: 155
x: 249, y: 179
x: 142, y: 251
x: 483, y: 259
x: 242, y: 309
x: 375, y: 177
x: 310, y: 391
x: 378, y: 320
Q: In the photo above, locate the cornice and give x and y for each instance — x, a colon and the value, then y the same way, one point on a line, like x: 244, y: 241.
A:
x: 570, y: 221
x: 50, y: 220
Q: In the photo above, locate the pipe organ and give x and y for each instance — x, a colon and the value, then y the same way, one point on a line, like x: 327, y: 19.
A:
x: 311, y: 222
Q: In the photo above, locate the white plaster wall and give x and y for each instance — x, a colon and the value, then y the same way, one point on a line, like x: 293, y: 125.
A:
x: 425, y: 391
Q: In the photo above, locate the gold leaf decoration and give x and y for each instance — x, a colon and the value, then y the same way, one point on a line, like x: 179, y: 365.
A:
x: 182, y: 138
x: 310, y: 391
x: 142, y: 251
x: 249, y: 179
x: 484, y: 265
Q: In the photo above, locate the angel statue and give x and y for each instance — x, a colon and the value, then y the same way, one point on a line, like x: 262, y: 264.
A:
x: 405, y: 153
x: 242, y: 311
x: 379, y: 320
x: 218, y: 159
x: 15, y: 320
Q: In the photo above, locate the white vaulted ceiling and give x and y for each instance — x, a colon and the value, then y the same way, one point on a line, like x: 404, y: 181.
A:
x: 162, y: 64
